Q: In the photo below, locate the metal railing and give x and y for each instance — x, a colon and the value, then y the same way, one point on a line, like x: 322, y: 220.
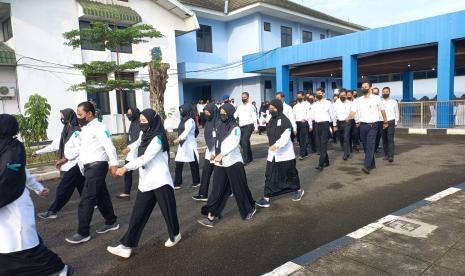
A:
x: 432, y: 114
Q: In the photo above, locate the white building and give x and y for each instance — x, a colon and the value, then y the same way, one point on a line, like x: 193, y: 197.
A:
x: 32, y: 33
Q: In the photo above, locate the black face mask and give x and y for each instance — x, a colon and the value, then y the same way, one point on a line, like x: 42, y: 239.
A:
x: 349, y: 98
x: 300, y: 100
x: 129, y: 117
x: 63, y: 121
x: 208, y: 117
x: 82, y: 121
x: 183, y: 113
x: 244, y: 100
x: 365, y: 91
x: 311, y: 100
x: 343, y: 99
x: 144, y: 127
x: 319, y: 97
x: 274, y: 113
x: 224, y: 117
x: 385, y: 96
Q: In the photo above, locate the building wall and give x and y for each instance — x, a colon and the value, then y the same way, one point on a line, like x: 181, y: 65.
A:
x: 37, y: 32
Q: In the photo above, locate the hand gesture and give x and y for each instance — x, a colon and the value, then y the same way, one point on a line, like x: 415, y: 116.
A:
x: 126, y: 151
x: 45, y: 192
x: 273, y: 148
x: 219, y: 158
x: 121, y: 171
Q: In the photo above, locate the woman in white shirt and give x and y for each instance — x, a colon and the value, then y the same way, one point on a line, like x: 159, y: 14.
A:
x: 211, y: 114
x: 21, y: 249
x: 229, y: 173
x: 281, y: 175
x: 187, y: 149
x: 72, y: 178
x: 155, y: 184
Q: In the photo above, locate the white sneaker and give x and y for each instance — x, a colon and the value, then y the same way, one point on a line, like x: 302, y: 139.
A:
x: 120, y: 250
x: 170, y: 243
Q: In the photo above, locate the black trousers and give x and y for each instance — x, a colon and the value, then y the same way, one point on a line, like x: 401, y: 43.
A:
x: 127, y: 181
x: 225, y: 180
x: 345, y: 132
x: 388, y: 139
x: 95, y: 192
x: 368, y: 134
x: 246, y: 132
x: 355, y: 135
x: 72, y: 179
x: 207, y: 171
x: 321, y: 134
x: 311, y: 139
x: 143, y: 207
x: 302, y: 135
x: 379, y: 134
x: 194, y: 171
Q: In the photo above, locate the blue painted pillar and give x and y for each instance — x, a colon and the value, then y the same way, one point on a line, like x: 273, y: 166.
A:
x: 282, y: 81
x: 446, y: 71
x: 349, y: 71
x: 407, y: 86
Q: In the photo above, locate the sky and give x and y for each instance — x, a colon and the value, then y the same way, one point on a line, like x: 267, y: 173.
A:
x: 380, y: 13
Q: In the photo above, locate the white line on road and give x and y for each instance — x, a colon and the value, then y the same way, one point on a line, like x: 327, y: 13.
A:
x: 284, y: 270
x: 442, y: 194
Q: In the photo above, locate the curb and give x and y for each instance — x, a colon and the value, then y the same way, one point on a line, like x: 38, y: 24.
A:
x: 312, y: 256
x: 431, y: 131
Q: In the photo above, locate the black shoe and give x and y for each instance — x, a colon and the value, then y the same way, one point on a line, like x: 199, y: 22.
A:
x: 251, y: 214
x: 47, y: 215
x: 107, y: 228
x: 345, y: 157
x: 365, y: 170
x: 385, y: 158
x: 200, y: 198
x: 77, y: 239
x: 391, y: 159
x: 124, y: 196
x: 326, y: 165
x: 263, y: 203
x: 319, y: 168
x: 196, y: 185
x: 177, y: 187
x: 70, y: 271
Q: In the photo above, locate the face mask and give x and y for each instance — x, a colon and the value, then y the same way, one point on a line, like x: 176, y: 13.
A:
x: 82, y: 121
x: 144, y: 127
x: 365, y: 91
x: 349, y: 98
x: 208, y: 117
x: 183, y: 113
x: 130, y: 117
x: 224, y: 117
x: 300, y: 100
x: 343, y: 99
x: 376, y: 93
x: 63, y: 121
x: 319, y: 97
x: 385, y: 96
x: 274, y: 113
x: 244, y: 100
x: 311, y: 100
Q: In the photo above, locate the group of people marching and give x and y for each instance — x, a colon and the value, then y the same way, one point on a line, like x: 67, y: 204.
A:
x: 87, y: 154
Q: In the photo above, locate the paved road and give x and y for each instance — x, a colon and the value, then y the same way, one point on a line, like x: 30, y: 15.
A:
x: 337, y: 201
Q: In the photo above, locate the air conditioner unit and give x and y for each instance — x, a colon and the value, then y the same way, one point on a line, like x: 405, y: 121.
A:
x: 7, y: 91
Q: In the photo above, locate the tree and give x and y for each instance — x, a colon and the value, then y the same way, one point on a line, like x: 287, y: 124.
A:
x: 34, y: 123
x: 111, y: 38
x: 158, y: 73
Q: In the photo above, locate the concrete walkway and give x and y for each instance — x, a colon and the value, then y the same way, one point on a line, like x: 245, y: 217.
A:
x: 427, y: 240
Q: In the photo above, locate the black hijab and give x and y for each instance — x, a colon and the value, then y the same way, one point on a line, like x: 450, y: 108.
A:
x: 187, y: 112
x: 210, y: 125
x: 277, y: 125
x: 224, y: 128
x: 155, y: 129
x: 71, y: 125
x: 134, y: 127
x: 12, y: 161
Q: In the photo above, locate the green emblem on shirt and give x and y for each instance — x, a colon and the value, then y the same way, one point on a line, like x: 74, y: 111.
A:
x: 235, y: 131
x: 290, y: 129
x: 108, y: 133
x: 158, y: 140
x: 13, y: 167
x: 76, y: 134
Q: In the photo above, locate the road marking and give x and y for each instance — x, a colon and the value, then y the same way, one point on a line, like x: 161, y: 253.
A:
x: 370, y: 228
x: 417, y: 131
x: 455, y: 131
x: 442, y: 194
x: 284, y: 270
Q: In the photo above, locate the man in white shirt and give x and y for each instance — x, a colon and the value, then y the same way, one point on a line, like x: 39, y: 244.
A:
x: 97, y: 153
x: 375, y: 92
x: 302, y: 114
x: 342, y: 109
x: 288, y: 112
x: 367, y: 109
x: 391, y: 108
x: 355, y: 126
x: 248, y: 123
x: 322, y: 113
x: 311, y: 134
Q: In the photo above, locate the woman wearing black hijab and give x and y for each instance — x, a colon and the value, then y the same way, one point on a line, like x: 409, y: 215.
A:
x: 212, y: 118
x: 67, y: 146
x: 155, y: 184
x: 21, y: 250
x: 281, y: 175
x: 187, y: 149
x: 133, y: 134
x: 229, y: 173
